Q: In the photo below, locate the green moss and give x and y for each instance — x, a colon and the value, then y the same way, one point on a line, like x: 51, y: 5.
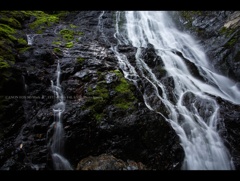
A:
x: 59, y: 14
x: 3, y: 63
x: 6, y: 53
x: 7, y: 29
x: 6, y: 50
x: 124, y: 104
x: 57, y: 50
x: 72, y: 26
x: 226, y: 31
x: 56, y: 43
x: 19, y: 16
x: 24, y: 49
x: 7, y: 32
x: 67, y: 34
x: 125, y: 98
x: 69, y: 45
x: 98, y: 97
x: 98, y: 116
x: 231, y: 42
x: 21, y: 41
x: 11, y: 22
x: 43, y: 20
x: 80, y: 60
x: 80, y: 33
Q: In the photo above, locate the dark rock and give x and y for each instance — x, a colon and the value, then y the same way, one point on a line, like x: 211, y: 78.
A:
x: 108, y: 162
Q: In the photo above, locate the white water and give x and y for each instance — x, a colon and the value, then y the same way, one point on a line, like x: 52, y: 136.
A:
x: 30, y: 38
x: 57, y: 141
x: 194, y: 113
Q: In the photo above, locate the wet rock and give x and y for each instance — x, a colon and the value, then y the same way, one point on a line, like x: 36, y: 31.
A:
x: 108, y: 162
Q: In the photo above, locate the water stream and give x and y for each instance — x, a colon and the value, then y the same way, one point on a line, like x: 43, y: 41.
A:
x: 191, y: 105
x: 57, y: 140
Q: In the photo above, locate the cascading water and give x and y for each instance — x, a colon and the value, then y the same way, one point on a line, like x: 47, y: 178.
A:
x: 191, y: 105
x: 57, y: 140
x: 30, y: 38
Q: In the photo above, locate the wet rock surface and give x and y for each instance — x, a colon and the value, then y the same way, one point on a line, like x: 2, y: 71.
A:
x: 105, y: 127
x: 100, y: 117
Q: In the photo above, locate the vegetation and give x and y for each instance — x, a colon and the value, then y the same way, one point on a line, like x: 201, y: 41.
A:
x: 99, y: 97
x: 80, y: 60
x: 42, y: 20
x: 69, y: 45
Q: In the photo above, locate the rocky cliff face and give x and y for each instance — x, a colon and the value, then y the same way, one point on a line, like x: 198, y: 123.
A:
x: 106, y: 120
x: 105, y: 113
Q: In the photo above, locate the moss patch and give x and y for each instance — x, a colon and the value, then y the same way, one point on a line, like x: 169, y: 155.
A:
x: 98, y: 96
x: 3, y: 63
x: 80, y: 60
x: 69, y: 45
x: 125, y: 98
x: 67, y: 34
x: 43, y: 20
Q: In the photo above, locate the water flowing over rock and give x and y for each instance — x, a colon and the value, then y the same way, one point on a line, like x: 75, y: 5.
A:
x: 109, y: 90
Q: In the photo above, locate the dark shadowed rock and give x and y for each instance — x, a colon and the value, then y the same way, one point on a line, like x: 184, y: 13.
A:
x: 108, y: 162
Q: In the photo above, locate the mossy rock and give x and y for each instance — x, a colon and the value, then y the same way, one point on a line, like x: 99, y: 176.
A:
x: 67, y: 34
x: 42, y: 21
x: 69, y: 44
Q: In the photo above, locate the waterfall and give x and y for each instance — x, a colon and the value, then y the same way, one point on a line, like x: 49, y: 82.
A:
x: 192, y: 109
x: 30, y: 38
x: 57, y: 140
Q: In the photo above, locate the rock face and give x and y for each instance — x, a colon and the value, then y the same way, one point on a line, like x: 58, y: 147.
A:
x: 106, y: 123
x: 108, y: 162
x: 105, y: 113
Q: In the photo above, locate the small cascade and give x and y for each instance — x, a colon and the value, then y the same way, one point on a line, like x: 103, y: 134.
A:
x: 25, y: 85
x: 57, y: 140
x: 30, y: 38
